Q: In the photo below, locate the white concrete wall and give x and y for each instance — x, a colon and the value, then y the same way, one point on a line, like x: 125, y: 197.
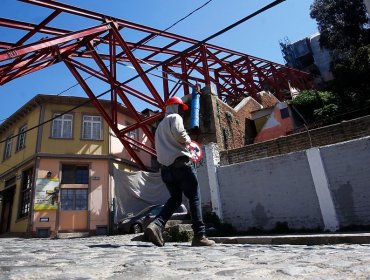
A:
x: 203, y: 180
x: 327, y: 188
x: 260, y: 193
x: 348, y: 170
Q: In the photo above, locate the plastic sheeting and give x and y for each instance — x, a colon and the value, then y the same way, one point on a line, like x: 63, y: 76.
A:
x: 134, y: 191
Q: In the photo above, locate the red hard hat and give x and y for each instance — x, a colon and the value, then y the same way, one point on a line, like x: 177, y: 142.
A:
x: 175, y: 100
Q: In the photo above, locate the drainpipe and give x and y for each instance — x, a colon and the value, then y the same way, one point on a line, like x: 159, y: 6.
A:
x: 195, y: 105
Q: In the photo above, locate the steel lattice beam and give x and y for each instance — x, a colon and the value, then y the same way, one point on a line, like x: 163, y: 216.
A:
x: 235, y: 75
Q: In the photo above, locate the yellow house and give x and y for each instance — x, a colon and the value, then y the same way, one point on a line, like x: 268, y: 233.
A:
x: 55, y: 169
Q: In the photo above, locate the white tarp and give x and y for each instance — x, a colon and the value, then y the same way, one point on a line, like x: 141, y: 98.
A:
x: 134, y: 191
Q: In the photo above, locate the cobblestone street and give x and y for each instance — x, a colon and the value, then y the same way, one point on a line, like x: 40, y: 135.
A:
x: 120, y: 257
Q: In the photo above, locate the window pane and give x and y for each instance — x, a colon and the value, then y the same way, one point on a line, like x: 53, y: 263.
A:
x: 96, y: 131
x: 62, y: 126
x: 81, y: 200
x: 74, y: 199
x: 74, y: 174
x: 21, y: 138
x: 68, y: 174
x: 86, y: 130
x: 8, y: 148
x: 67, y: 129
x: 26, y: 185
x: 82, y: 175
x: 25, y: 204
x: 66, y: 199
x: 91, y: 127
x: 57, y: 128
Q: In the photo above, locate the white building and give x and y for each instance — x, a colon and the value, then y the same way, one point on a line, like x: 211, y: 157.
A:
x: 306, y: 54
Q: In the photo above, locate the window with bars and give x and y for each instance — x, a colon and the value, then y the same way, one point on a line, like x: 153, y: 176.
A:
x: 75, y: 174
x: 8, y: 148
x: 91, y: 128
x: 73, y: 199
x: 21, y: 142
x: 25, y: 193
x: 62, y: 126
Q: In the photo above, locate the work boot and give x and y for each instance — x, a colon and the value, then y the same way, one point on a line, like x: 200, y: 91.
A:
x: 201, y: 240
x: 153, y: 233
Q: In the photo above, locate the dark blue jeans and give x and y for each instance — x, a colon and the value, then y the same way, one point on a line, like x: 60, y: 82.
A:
x: 179, y: 180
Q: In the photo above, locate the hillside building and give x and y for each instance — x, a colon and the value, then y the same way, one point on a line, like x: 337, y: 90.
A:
x: 306, y: 54
x: 56, y: 176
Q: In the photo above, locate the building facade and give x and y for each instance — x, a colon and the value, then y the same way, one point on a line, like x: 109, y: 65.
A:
x: 306, y: 54
x: 55, y: 176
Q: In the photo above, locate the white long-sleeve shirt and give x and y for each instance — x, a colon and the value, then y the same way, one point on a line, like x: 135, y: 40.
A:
x: 171, y: 139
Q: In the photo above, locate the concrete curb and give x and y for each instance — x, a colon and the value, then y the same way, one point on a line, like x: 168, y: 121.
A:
x: 312, y: 239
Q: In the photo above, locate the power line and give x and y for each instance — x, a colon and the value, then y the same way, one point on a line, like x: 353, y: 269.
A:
x: 265, y: 8
x: 177, y: 22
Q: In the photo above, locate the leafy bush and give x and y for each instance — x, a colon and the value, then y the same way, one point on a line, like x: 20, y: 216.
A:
x: 315, y: 105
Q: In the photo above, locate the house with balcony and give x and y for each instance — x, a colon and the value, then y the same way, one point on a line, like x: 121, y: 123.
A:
x: 56, y: 167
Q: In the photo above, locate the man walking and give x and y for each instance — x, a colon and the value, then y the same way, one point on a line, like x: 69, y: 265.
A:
x: 178, y: 174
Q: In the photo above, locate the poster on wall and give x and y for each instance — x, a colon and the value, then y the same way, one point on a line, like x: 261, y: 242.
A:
x: 46, y: 196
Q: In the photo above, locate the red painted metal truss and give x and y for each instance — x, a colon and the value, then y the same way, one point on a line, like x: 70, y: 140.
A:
x: 100, y: 50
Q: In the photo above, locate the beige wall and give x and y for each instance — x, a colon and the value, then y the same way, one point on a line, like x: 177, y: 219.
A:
x: 118, y: 150
x: 98, y: 197
x: 99, y: 194
x: 17, y: 157
x: 76, y: 145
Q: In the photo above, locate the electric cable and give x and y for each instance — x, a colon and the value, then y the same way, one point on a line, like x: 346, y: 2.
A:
x: 265, y: 8
x: 185, y: 17
x: 172, y: 25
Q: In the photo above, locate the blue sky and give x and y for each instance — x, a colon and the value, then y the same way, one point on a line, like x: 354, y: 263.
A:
x: 258, y: 37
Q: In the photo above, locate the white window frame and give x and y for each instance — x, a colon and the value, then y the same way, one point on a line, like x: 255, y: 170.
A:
x: 8, y: 148
x: 21, y: 141
x: 134, y: 134
x: 89, y: 122
x: 63, y: 132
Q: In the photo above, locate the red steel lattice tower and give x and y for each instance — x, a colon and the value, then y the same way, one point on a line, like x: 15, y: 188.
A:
x: 100, y: 50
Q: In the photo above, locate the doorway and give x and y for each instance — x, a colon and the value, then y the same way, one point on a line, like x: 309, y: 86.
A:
x: 6, y: 211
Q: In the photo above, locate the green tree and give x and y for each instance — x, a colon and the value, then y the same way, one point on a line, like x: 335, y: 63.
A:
x: 344, y: 27
x: 352, y: 79
x: 315, y: 105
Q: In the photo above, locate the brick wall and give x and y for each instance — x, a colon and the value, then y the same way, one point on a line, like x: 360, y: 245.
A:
x: 344, y: 131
